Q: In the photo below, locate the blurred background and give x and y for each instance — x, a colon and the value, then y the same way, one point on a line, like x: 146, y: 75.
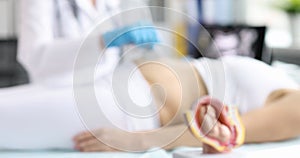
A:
x: 277, y: 23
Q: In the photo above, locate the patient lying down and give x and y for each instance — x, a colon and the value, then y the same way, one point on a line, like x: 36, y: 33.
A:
x: 30, y: 122
x: 257, y: 98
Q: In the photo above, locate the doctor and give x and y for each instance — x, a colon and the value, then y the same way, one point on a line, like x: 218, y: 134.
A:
x: 52, y: 31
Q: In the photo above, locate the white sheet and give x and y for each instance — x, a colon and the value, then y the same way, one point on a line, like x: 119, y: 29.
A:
x: 43, y: 117
x: 291, y: 69
x: 288, y: 149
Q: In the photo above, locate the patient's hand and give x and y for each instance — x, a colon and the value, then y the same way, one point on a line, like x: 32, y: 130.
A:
x: 108, y: 140
x: 88, y: 142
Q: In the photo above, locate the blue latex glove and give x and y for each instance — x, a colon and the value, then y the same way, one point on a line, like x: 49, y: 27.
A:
x: 140, y: 33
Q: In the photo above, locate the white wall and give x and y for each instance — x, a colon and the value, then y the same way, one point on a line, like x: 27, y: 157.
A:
x: 264, y: 12
x: 253, y: 12
x: 7, y: 18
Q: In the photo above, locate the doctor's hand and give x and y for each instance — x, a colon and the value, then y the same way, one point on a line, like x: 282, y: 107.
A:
x: 138, y: 34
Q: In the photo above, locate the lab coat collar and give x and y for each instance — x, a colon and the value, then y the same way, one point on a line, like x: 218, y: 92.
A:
x: 88, y: 8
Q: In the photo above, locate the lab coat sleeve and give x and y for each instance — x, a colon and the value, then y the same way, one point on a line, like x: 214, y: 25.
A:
x: 39, y: 51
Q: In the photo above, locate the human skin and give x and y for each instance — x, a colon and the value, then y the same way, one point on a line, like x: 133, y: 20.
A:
x: 182, y: 93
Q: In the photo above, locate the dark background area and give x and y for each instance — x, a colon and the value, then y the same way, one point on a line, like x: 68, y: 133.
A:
x: 208, y: 49
x: 11, y: 72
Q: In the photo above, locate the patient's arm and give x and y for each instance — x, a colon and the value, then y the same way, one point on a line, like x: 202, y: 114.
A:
x: 280, y: 114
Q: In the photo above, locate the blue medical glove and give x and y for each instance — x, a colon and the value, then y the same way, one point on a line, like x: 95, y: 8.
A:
x: 140, y: 33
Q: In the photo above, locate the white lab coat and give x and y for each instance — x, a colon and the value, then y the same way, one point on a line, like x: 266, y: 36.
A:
x: 48, y: 45
x: 39, y: 116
